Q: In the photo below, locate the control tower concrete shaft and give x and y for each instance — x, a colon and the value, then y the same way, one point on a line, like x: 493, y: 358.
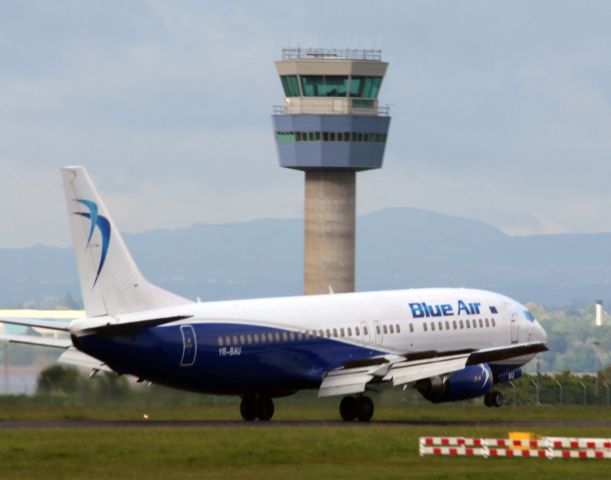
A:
x: 330, y: 126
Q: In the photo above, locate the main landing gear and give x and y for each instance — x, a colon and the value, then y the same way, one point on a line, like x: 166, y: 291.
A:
x: 493, y: 398
x: 356, y: 408
x: 257, y: 406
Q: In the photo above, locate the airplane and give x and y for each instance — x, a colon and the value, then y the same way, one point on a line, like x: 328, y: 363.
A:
x: 449, y: 344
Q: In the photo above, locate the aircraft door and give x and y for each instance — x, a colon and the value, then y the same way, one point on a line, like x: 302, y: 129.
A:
x: 514, y: 324
x: 189, y: 345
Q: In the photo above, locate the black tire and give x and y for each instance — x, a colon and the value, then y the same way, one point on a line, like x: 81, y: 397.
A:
x: 496, y: 399
x: 364, y: 409
x: 265, y: 408
x: 488, y: 399
x: 347, y: 409
x: 248, y: 409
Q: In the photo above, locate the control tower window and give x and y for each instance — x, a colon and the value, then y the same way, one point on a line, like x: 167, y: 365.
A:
x: 324, y: 86
x: 365, y: 87
x: 290, y: 85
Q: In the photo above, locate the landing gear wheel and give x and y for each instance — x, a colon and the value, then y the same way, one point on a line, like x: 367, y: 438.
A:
x: 493, y: 398
x: 347, y: 409
x: 364, y: 409
x: 248, y: 408
x: 496, y: 399
x: 265, y: 408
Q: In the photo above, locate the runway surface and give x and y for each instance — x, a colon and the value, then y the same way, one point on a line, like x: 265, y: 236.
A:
x: 13, y: 424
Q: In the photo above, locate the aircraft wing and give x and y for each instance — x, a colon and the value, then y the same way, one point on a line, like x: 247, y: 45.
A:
x: 400, y: 370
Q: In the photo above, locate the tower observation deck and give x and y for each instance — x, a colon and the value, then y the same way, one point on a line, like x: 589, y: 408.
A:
x: 330, y: 126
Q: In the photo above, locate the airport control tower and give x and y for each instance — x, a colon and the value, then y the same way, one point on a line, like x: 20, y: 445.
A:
x: 330, y: 126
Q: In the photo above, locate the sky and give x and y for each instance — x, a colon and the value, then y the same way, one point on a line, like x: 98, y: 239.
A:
x: 501, y: 111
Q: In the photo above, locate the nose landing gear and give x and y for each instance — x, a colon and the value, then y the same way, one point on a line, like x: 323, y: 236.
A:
x: 256, y: 406
x: 356, y: 408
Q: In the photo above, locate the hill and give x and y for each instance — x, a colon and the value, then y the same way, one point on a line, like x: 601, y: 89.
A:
x: 396, y: 248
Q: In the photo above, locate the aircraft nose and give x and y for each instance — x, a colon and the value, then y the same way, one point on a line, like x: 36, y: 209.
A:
x: 540, y: 333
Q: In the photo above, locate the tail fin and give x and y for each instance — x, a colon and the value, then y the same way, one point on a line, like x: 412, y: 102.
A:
x: 110, y: 280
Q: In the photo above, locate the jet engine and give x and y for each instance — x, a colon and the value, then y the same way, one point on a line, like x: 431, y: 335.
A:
x: 473, y: 381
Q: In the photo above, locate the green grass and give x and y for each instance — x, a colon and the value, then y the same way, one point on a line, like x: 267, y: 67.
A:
x: 295, y: 409
x: 333, y: 451
x: 247, y: 452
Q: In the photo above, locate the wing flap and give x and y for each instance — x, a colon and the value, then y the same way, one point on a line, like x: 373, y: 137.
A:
x: 408, y: 372
x: 345, y: 381
x: 37, y: 341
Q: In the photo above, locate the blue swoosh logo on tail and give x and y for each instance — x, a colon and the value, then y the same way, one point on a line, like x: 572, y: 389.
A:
x: 103, y: 225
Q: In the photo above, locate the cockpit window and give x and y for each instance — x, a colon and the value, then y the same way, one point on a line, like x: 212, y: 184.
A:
x: 529, y: 316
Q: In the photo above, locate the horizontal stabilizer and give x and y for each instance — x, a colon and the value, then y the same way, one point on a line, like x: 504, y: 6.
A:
x: 79, y: 359
x: 112, y: 326
x: 37, y: 341
x: 37, y: 323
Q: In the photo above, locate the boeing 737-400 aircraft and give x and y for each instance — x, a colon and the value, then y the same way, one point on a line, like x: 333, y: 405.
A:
x: 450, y: 344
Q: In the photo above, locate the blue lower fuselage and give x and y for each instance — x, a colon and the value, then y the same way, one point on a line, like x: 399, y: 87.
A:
x: 191, y: 357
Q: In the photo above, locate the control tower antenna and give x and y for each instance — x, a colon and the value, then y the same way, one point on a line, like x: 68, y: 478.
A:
x: 330, y: 126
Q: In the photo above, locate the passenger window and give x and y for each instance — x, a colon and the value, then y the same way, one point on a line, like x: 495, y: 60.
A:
x: 249, y: 339
x: 467, y: 323
x: 227, y: 341
x: 365, y: 330
x: 378, y: 329
x: 385, y: 329
x: 341, y: 332
x: 357, y: 331
x: 328, y: 332
x: 349, y: 332
x: 263, y: 338
x: 440, y: 325
x: 493, y: 322
x: 220, y: 341
x: 335, y: 332
x: 270, y: 337
x: 433, y: 326
x: 277, y: 335
x: 391, y: 328
x: 487, y: 322
x: 292, y: 335
x: 398, y: 329
x: 411, y: 327
x: 285, y: 336
x: 424, y: 327
x: 454, y: 324
x: 447, y: 325
x: 481, y: 323
x: 242, y: 340
x: 461, y: 325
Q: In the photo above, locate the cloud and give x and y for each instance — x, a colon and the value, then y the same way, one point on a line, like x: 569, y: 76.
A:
x: 501, y: 112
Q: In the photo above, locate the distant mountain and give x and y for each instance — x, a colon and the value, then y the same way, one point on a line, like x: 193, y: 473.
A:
x: 396, y: 248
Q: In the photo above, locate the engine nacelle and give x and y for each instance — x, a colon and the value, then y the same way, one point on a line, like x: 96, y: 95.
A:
x: 473, y: 381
